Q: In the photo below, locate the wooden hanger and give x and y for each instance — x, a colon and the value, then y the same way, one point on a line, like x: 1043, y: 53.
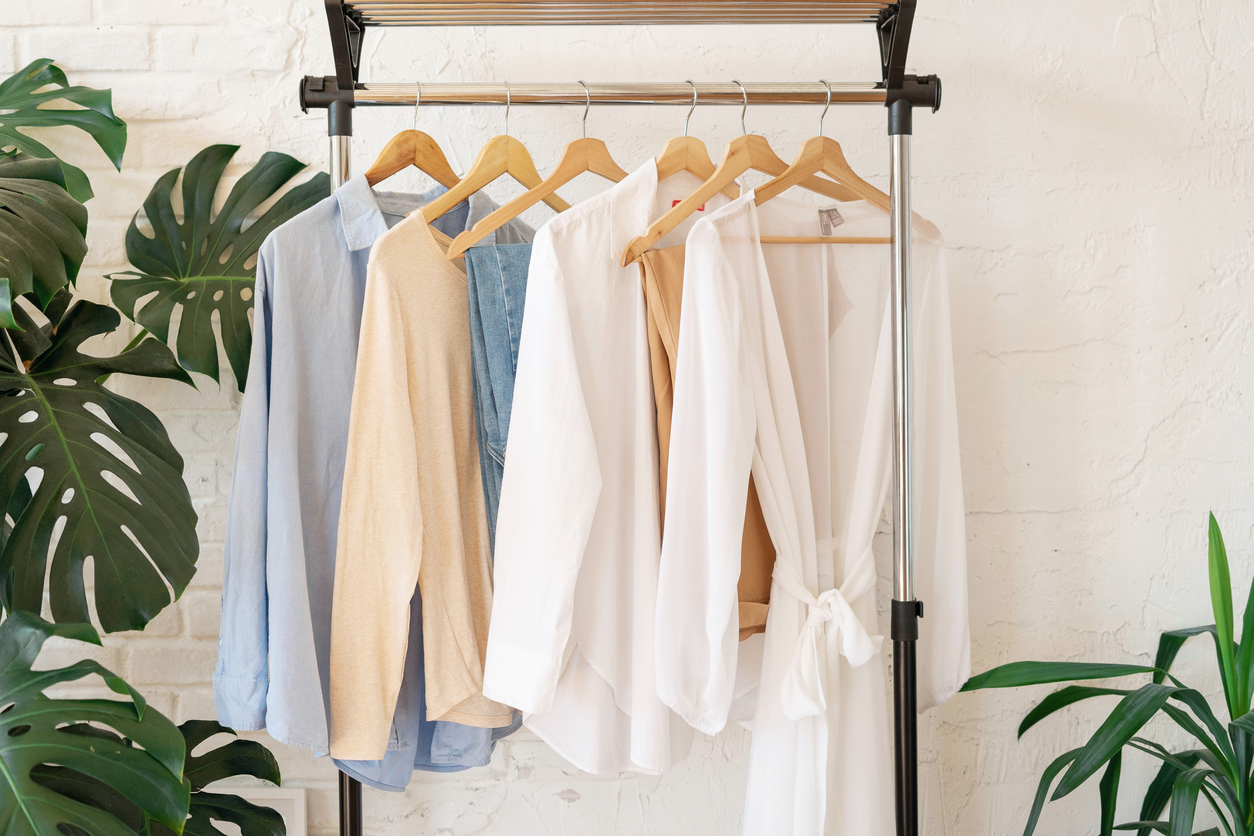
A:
x: 501, y: 155
x: 822, y: 155
x: 746, y: 152
x: 412, y: 147
x: 582, y: 155
x: 687, y: 153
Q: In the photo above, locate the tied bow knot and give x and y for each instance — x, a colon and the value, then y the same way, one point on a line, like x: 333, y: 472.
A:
x: 831, y: 629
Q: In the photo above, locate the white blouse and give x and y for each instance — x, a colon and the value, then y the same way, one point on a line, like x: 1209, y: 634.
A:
x: 578, y: 534
x: 785, y: 370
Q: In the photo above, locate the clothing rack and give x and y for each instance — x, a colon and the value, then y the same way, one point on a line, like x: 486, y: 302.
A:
x: 896, y: 90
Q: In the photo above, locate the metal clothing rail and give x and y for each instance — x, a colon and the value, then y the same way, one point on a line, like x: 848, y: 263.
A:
x: 897, y: 91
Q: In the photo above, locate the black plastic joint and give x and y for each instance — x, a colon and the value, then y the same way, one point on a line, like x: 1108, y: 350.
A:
x: 905, y: 620
x: 915, y: 91
x: 322, y: 91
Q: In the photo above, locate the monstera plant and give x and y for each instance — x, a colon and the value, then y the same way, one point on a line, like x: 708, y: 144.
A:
x: 109, y: 767
x: 43, y: 223
x: 87, y: 473
x: 206, y: 262
x: 92, y: 468
x: 1218, y: 764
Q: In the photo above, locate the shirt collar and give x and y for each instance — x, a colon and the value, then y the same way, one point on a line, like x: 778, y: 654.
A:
x: 631, y: 207
x: 359, y: 212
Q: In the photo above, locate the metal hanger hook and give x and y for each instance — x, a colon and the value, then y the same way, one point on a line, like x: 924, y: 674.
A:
x: 744, y: 108
x: 417, y: 101
x: 688, y: 118
x: 826, y: 105
x: 507, y: 108
x: 587, y: 105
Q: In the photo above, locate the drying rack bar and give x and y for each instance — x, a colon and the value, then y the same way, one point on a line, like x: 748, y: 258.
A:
x: 610, y: 12
x: 320, y: 92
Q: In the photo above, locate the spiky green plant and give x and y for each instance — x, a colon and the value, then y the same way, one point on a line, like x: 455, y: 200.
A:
x: 1219, y: 768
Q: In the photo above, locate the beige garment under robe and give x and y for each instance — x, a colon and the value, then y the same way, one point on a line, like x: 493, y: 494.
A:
x: 662, y: 276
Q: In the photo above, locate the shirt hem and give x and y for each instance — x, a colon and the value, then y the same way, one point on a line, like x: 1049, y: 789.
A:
x: 699, y: 720
x: 479, y: 721
x: 562, y: 751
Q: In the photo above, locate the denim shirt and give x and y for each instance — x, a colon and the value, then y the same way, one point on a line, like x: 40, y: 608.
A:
x: 496, y: 277
x: 274, y: 643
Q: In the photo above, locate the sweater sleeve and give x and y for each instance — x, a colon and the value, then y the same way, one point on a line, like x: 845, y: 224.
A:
x: 940, y: 534
x: 548, y: 497
x: 711, y: 454
x: 380, y: 535
x: 241, y: 679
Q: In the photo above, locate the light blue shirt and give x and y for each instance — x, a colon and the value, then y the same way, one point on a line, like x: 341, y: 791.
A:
x: 275, y: 639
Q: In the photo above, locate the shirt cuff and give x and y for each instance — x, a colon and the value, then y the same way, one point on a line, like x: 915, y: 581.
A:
x: 521, y: 677
x: 240, y: 701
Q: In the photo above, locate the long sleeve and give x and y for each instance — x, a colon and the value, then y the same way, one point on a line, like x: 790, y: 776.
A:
x: 940, y: 534
x: 711, y: 453
x: 380, y: 536
x: 241, y: 679
x: 549, y: 496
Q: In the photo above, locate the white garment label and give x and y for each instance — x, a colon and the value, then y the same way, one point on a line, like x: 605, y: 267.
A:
x: 829, y: 219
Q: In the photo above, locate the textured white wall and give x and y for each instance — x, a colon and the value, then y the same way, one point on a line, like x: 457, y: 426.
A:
x: 1092, y: 172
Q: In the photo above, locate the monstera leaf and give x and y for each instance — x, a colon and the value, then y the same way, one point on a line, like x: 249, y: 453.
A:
x: 91, y: 470
x: 22, y: 99
x: 239, y: 757
x: 206, y: 263
x: 41, y: 737
x: 42, y: 231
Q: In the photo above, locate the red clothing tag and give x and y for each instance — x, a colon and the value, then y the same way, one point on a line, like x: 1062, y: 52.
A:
x: 675, y: 203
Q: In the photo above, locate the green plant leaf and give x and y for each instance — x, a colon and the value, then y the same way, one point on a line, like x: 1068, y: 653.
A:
x: 1108, y: 791
x: 1042, y: 788
x: 1221, y: 603
x: 238, y: 757
x: 1218, y: 731
x: 1133, y: 712
x: 1159, y: 791
x: 205, y: 263
x: 38, y: 733
x: 1144, y: 827
x: 22, y: 97
x: 1061, y: 699
x: 42, y: 232
x: 227, y: 761
x: 1169, y: 644
x: 1184, y: 800
x: 252, y: 819
x: 57, y: 419
x: 1017, y: 674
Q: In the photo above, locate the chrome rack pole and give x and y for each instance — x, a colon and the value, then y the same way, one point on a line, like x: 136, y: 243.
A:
x: 906, y: 611
x: 340, y: 129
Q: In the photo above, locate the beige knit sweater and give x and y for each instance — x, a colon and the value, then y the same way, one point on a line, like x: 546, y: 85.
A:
x: 412, y: 509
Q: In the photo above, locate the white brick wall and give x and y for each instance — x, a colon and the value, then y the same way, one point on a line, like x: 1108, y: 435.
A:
x: 1092, y: 173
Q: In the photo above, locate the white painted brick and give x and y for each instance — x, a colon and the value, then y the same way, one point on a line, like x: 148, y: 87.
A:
x: 163, y: 701
x: 204, y: 614
x: 189, y: 664
x: 160, y: 12
x: 60, y: 653
x: 59, y: 12
x: 8, y: 52
x: 200, y: 473
x: 89, y: 48
x: 224, y: 49
x: 194, y: 704
x: 208, y: 568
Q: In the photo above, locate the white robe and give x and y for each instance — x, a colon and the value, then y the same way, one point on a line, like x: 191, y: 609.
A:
x: 785, y: 369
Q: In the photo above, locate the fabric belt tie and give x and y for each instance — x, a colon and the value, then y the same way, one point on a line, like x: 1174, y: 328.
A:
x: 831, y: 629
